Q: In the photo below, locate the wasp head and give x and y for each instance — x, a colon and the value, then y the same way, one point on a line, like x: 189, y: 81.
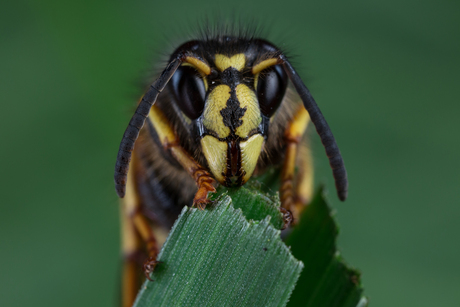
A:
x: 229, y: 98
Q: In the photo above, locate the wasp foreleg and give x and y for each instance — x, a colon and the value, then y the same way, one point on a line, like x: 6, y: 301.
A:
x: 170, y: 141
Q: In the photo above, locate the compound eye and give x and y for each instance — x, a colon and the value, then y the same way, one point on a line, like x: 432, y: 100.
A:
x: 271, y: 87
x: 188, y: 89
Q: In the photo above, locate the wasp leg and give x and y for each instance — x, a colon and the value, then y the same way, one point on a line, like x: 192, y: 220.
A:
x: 136, y: 230
x: 146, y: 232
x: 304, y: 180
x: 294, y: 199
x: 170, y: 142
x: 132, y: 251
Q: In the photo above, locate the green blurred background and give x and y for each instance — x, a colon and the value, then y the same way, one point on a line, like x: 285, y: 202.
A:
x: 385, y: 74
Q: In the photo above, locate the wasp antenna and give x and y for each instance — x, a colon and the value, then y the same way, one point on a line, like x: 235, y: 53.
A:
x: 323, y: 130
x: 137, y: 122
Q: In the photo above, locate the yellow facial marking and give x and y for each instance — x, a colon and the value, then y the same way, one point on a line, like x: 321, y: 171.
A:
x: 251, y: 118
x: 198, y: 64
x: 215, y: 153
x: 237, y: 61
x: 212, y: 119
x: 263, y: 65
x: 250, y: 152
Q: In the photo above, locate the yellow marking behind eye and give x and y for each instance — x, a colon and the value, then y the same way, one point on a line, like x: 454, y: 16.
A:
x: 238, y: 61
x: 215, y: 153
x: 205, y: 81
x: 212, y: 119
x: 298, y: 124
x: 256, y: 79
x: 251, y: 118
x: 198, y: 64
x: 250, y: 152
x: 162, y: 126
x: 263, y: 65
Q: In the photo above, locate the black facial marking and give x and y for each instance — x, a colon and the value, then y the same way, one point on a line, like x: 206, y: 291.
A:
x: 230, y: 76
x: 232, y: 114
x: 234, y: 170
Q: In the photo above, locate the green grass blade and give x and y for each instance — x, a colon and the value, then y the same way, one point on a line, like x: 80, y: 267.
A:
x: 216, y: 257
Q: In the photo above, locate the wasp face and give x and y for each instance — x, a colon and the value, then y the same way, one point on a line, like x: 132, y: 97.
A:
x: 230, y: 98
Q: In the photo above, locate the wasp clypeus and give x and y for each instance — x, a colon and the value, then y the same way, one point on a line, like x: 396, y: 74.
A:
x: 220, y: 112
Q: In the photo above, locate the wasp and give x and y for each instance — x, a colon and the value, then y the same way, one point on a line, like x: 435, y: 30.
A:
x: 225, y: 108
